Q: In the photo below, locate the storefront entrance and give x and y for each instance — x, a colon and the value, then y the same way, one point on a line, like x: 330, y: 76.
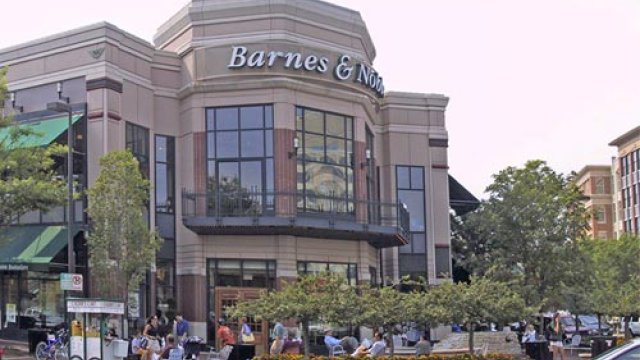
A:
x: 230, y: 296
x: 9, y: 299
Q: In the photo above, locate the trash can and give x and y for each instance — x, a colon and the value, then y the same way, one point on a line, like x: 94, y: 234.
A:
x: 120, y: 348
x: 600, y: 344
x: 538, y: 350
x: 34, y: 336
x: 246, y: 351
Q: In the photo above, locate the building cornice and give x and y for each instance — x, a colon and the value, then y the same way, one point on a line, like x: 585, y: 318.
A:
x: 626, y: 137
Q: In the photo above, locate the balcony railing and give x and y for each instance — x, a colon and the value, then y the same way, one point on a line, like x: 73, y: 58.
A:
x: 368, y: 215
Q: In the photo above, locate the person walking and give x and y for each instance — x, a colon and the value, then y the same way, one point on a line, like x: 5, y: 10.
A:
x: 151, y: 332
x: 246, y: 335
x: 225, y: 334
x: 181, y: 328
x: 556, y: 334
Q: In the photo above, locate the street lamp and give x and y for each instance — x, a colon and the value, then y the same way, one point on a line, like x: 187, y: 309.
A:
x: 65, y: 107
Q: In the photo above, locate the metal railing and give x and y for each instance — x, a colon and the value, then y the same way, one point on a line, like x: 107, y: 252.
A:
x: 268, y: 203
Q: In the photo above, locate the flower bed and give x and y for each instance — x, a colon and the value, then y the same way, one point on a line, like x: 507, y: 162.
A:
x: 395, y: 357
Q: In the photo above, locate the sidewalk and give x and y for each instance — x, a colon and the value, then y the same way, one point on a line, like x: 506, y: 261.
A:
x: 15, y: 350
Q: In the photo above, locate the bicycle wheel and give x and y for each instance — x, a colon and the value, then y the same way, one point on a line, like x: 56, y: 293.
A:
x: 61, y: 353
x: 42, y: 351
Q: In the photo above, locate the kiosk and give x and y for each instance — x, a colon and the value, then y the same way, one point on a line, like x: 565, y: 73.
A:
x: 92, y: 322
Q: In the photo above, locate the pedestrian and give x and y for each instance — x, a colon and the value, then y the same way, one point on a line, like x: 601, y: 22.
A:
x: 181, y: 328
x: 245, y: 333
x: 279, y: 330
x: 225, y: 334
x: 291, y: 345
x: 556, y: 334
x: 151, y: 333
x: 529, y: 334
x: 423, y: 346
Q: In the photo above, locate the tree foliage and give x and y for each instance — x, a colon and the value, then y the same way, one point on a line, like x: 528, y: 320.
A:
x: 322, y: 297
x: 613, y: 285
x: 121, y: 246
x: 27, y: 178
x: 526, y: 232
x: 329, y: 299
x: 480, y: 300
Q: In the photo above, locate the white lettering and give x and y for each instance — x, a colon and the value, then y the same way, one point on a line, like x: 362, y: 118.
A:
x: 273, y: 55
x: 323, y: 65
x: 290, y: 58
x: 363, y: 74
x: 256, y: 59
x: 343, y: 70
x: 238, y: 57
x: 310, y: 63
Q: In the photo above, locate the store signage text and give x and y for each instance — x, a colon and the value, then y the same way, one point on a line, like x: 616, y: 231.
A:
x: 10, y: 267
x: 344, y: 69
x: 95, y: 307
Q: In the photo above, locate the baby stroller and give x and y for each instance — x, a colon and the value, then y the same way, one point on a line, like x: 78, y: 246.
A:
x: 192, y: 347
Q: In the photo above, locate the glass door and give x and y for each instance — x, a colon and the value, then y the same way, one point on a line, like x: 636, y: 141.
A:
x: 10, y: 299
x: 240, y: 187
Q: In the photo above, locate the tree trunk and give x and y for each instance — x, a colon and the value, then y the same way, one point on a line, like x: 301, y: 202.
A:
x: 390, y: 340
x: 627, y: 330
x: 305, y: 337
x: 599, y: 324
x: 471, y: 329
x: 125, y: 317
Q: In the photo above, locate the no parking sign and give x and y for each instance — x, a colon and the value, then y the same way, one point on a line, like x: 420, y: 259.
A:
x: 71, y: 281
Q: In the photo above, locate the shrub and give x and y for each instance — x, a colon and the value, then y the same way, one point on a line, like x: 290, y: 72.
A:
x: 395, y: 357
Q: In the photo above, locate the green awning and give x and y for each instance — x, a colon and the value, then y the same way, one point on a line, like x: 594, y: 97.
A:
x: 32, y: 244
x: 45, y: 131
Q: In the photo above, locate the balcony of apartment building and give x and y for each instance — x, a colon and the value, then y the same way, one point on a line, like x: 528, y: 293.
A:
x: 244, y: 212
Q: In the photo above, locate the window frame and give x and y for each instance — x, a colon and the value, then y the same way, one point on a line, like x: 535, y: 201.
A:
x: 348, y: 199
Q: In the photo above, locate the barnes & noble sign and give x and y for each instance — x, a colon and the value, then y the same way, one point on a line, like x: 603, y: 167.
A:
x: 345, y: 68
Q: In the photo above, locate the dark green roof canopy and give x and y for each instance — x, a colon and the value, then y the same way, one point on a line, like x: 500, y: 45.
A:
x: 45, y: 131
x: 32, y: 244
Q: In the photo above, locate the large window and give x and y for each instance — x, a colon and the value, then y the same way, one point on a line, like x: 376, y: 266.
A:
x: 348, y: 270
x: 240, y: 159
x: 410, y: 191
x: 242, y: 273
x: 325, y: 164
x: 165, y: 174
x: 137, y: 141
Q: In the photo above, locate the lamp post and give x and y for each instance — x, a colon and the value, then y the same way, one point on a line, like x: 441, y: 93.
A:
x: 63, y: 107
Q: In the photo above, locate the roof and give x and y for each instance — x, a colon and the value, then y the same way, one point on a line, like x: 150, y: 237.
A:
x: 626, y: 137
x: 460, y: 199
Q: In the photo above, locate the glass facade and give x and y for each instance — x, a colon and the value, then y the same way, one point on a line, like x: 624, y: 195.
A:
x: 411, y: 192
x: 348, y: 270
x: 137, y: 141
x: 325, y: 163
x: 240, y: 159
x: 30, y: 299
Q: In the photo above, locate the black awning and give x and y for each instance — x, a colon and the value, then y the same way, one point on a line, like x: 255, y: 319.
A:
x: 460, y: 199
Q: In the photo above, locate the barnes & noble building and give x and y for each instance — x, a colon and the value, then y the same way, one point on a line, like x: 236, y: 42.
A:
x: 271, y: 143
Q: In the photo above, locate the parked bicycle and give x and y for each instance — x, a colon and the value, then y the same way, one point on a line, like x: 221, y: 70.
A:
x: 55, y: 348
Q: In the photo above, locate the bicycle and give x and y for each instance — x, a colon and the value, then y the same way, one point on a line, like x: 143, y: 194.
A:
x: 50, y: 349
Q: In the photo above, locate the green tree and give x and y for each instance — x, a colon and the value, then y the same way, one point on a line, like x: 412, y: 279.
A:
x: 614, y: 284
x: 27, y: 177
x: 383, y: 308
x: 322, y: 297
x: 121, y: 246
x: 526, y: 233
x: 481, y: 300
